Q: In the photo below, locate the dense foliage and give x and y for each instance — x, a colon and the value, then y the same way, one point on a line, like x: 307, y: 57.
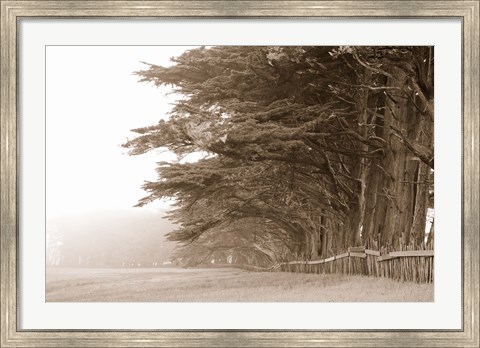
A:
x: 309, y: 150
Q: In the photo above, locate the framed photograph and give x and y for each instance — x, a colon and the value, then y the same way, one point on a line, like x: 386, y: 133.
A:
x: 239, y: 173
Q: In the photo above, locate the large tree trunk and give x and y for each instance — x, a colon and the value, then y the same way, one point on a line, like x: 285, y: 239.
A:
x: 369, y: 226
x: 362, y: 167
x: 399, y: 166
x: 323, y: 235
x: 423, y: 181
x: 431, y: 234
x: 417, y: 232
x: 336, y: 237
x: 313, y: 254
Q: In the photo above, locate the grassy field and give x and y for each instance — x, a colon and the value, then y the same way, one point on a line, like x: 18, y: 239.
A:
x: 222, y: 285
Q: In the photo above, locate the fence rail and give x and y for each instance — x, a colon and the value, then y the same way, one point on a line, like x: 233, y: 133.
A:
x: 402, y: 265
x: 363, y: 255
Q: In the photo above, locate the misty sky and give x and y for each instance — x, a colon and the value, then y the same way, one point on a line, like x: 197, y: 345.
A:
x: 93, y: 100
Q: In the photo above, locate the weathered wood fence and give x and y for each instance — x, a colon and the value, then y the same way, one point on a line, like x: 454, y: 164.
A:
x: 402, y: 265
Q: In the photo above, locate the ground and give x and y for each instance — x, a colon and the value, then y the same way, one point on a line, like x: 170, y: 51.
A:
x: 222, y: 285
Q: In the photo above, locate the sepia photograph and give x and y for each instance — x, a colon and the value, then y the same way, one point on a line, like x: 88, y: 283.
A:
x: 239, y: 173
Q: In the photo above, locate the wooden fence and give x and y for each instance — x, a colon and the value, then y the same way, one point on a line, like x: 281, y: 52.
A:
x: 402, y: 265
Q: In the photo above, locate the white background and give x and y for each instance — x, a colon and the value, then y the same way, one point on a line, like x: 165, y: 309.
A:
x: 444, y: 313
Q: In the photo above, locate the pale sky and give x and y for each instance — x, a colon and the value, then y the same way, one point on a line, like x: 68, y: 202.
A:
x: 93, y: 101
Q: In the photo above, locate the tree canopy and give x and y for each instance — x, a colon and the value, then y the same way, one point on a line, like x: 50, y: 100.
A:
x: 309, y: 150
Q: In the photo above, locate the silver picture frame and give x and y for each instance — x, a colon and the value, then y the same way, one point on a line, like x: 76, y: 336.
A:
x: 12, y: 11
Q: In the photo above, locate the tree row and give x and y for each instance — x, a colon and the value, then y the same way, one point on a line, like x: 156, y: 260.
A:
x: 306, y: 151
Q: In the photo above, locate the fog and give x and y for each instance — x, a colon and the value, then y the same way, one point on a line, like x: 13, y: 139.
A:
x: 93, y: 100
x: 129, y: 238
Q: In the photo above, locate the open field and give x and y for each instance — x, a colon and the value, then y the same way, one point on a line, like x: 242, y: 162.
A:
x: 222, y: 285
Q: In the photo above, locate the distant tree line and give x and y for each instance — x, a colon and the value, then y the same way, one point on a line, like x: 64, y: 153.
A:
x: 108, y: 240
x: 308, y: 150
